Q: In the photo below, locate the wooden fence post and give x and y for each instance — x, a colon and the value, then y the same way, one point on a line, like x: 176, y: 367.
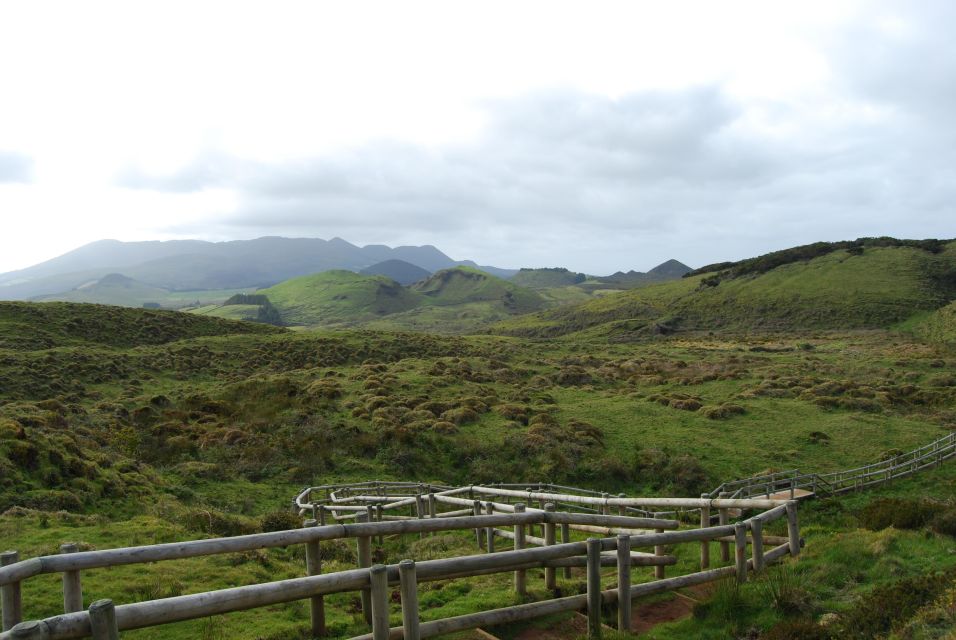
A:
x: 479, y: 532
x: 793, y: 529
x: 565, y: 538
x: 378, y: 579
x: 594, y: 588
x: 659, y: 551
x: 756, y: 547
x: 10, y: 597
x: 420, y: 510
x: 364, y: 552
x: 521, y: 575
x: 704, y: 544
x: 490, y: 531
x: 624, y: 583
x: 740, y: 551
x: 723, y: 518
x: 72, y: 588
x: 103, y: 620
x: 409, y: 587
x: 550, y: 575
x: 313, y: 567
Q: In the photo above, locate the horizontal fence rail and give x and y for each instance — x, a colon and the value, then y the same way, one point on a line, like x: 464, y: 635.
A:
x: 529, y: 529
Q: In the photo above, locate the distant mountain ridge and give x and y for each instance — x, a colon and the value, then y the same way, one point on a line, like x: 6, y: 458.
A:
x: 184, y: 265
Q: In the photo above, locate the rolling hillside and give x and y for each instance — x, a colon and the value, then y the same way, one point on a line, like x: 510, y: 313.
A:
x: 464, y: 284
x: 114, y: 289
x: 339, y: 297
x: 547, y: 278
x: 840, y: 289
x: 402, y: 272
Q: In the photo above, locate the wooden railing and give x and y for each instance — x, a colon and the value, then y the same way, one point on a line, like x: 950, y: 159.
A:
x: 490, y: 521
x: 793, y: 481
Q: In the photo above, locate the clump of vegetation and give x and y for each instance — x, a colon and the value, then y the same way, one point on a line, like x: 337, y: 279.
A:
x: 901, y: 513
x: 883, y: 608
x: 723, y: 411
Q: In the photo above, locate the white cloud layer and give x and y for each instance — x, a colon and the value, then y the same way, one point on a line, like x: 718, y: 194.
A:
x: 600, y: 137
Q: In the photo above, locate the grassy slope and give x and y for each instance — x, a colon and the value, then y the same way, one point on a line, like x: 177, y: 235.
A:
x: 837, y: 291
x: 230, y: 312
x: 464, y: 284
x: 936, y: 326
x: 547, y: 278
x: 339, y: 297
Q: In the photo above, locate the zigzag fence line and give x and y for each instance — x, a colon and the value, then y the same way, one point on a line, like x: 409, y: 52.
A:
x: 368, y: 511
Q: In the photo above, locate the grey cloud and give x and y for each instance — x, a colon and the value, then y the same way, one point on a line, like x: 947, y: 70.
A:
x: 15, y: 167
x: 595, y: 184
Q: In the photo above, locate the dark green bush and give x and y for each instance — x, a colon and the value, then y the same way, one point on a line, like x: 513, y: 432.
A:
x: 900, y: 513
x: 876, y: 612
x: 945, y: 522
x: 280, y: 521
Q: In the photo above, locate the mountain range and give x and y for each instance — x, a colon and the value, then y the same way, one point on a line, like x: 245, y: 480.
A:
x: 184, y: 265
x: 109, y: 271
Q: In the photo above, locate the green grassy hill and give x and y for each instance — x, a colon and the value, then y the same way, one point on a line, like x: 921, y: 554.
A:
x: 114, y: 289
x: 32, y: 326
x: 875, y: 288
x: 339, y: 297
x: 463, y: 285
x: 547, y: 278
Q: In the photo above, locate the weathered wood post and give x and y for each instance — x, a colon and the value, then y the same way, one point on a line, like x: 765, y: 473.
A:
x: 550, y: 575
x: 378, y: 579
x: 321, y: 516
x: 420, y: 510
x: 723, y: 518
x: 740, y: 551
x: 490, y: 531
x: 704, y: 544
x: 103, y: 620
x: 364, y: 552
x: 72, y: 588
x: 756, y: 547
x: 10, y: 597
x: 479, y: 532
x: 521, y: 576
x: 624, y: 583
x: 30, y: 630
x: 793, y: 529
x: 313, y: 567
x: 566, y: 537
x: 622, y: 510
x: 605, y: 509
x: 594, y: 588
x: 408, y: 580
x: 659, y: 551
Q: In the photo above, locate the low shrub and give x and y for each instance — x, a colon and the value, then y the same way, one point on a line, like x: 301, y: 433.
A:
x: 945, y: 522
x: 280, y: 521
x: 900, y: 513
x: 877, y: 612
x: 722, y: 411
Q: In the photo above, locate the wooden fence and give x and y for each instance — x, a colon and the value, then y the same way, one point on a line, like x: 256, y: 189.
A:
x: 378, y: 509
x: 793, y: 482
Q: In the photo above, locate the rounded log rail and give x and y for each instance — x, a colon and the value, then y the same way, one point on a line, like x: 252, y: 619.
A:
x: 641, y: 537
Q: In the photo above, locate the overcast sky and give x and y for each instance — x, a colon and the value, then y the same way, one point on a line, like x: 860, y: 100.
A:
x: 593, y: 135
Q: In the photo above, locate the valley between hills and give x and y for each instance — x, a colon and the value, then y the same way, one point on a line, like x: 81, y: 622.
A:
x: 122, y: 425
